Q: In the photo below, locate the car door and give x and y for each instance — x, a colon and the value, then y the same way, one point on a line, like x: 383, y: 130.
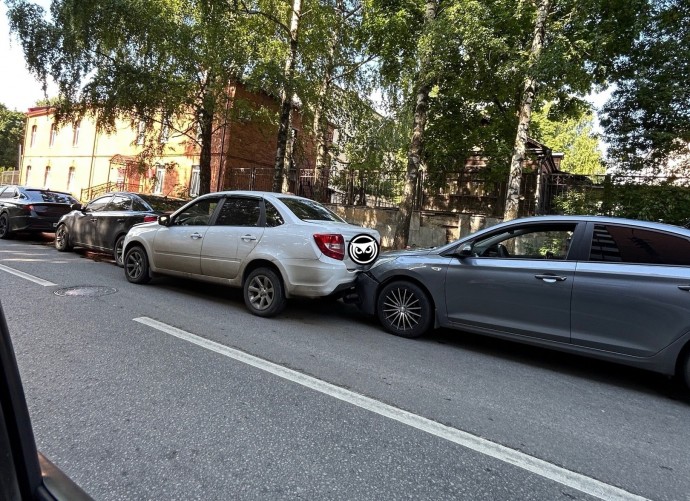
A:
x: 112, y: 220
x: 633, y: 294
x: 518, y: 280
x: 178, y: 247
x: 84, y: 230
x: 236, y: 231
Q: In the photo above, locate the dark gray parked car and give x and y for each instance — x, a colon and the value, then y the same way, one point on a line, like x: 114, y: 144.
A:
x: 31, y: 210
x: 103, y: 223
x: 608, y: 288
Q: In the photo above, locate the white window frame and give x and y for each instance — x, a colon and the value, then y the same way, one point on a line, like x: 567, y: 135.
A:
x: 195, y: 181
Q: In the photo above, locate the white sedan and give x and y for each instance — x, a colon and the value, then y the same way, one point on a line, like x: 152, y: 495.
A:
x: 272, y: 245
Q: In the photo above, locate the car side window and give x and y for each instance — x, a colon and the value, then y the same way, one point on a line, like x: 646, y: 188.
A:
x: 99, y: 204
x: 535, y: 242
x: 627, y: 244
x: 119, y: 202
x: 239, y: 212
x: 273, y: 217
x: 139, y: 205
x: 197, y: 214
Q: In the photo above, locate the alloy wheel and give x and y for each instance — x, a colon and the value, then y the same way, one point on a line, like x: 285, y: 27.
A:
x: 261, y: 292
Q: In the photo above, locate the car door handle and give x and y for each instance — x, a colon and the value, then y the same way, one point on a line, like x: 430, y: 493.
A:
x: 248, y: 238
x: 195, y: 236
x: 550, y: 278
x: 93, y: 219
x: 121, y: 220
x: 684, y: 287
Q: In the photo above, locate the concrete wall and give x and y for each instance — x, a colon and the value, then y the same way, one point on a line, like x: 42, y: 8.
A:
x: 428, y: 229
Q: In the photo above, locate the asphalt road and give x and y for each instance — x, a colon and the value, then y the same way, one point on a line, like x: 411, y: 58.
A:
x: 173, y: 390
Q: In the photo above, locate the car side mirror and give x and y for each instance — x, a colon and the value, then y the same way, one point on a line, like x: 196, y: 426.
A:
x: 76, y: 207
x: 466, y: 251
x: 164, y: 220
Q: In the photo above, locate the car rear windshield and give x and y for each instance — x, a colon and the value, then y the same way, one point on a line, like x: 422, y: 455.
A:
x: 308, y: 210
x: 162, y: 204
x: 50, y: 196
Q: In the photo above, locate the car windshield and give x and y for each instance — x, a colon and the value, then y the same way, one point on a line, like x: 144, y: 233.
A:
x: 162, y: 204
x: 308, y: 210
x: 50, y: 196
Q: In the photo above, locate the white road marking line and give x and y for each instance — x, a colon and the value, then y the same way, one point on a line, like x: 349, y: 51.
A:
x: 534, y: 465
x: 26, y: 276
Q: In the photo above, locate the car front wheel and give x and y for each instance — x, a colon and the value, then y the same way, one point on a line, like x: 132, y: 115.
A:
x: 404, y: 309
x: 137, y: 265
x: 117, y: 251
x: 263, y: 293
x: 62, y: 239
x: 4, y: 226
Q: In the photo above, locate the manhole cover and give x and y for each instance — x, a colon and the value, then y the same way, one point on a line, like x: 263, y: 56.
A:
x: 86, y: 290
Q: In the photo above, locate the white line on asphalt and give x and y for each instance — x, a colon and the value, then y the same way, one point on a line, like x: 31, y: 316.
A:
x: 534, y: 465
x: 26, y: 276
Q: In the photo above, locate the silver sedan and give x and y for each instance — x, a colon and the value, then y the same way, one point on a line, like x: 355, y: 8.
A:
x: 273, y: 246
x: 608, y: 288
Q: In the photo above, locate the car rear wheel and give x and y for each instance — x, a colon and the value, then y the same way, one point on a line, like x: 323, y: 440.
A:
x: 263, y: 293
x: 136, y: 265
x: 4, y: 226
x: 62, y: 239
x: 404, y: 309
x: 118, y: 247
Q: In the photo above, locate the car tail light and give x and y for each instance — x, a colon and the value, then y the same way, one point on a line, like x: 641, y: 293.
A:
x: 28, y: 208
x: 331, y: 244
x: 150, y: 219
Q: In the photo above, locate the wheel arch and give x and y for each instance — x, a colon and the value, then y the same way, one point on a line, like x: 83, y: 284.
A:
x: 263, y: 263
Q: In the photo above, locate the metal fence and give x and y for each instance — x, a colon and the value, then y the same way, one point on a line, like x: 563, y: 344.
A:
x: 9, y: 177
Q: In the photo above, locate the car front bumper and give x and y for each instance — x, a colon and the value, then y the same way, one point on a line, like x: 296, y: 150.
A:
x: 366, y: 288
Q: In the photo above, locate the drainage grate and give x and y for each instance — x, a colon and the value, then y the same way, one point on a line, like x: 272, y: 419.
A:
x: 86, y: 290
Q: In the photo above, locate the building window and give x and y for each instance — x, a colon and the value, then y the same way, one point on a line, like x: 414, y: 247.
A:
x: 28, y: 172
x: 75, y: 134
x: 194, y: 181
x: 160, y: 179
x: 141, y: 132
x: 46, y: 177
x: 53, y: 133
x: 165, y: 131
x: 33, y: 135
x: 70, y: 179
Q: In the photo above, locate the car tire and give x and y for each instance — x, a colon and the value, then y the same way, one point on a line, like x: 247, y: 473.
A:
x: 136, y: 264
x: 62, y: 239
x: 118, y: 247
x: 264, y: 295
x: 404, y: 309
x: 5, y: 226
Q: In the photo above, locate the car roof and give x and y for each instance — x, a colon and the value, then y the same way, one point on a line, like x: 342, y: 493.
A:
x: 264, y: 194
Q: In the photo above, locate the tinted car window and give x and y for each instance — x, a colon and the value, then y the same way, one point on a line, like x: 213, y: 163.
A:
x: 310, y: 210
x: 198, y: 213
x: 7, y: 193
x: 139, y: 205
x: 239, y: 212
x: 273, y: 217
x: 98, y: 204
x: 625, y: 244
x: 120, y: 203
x: 162, y: 204
x: 533, y: 242
x: 50, y: 196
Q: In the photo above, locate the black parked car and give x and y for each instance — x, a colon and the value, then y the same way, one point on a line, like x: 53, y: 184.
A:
x: 104, y: 222
x: 32, y: 210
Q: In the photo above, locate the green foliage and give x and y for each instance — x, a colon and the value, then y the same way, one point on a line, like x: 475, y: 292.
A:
x: 11, y: 136
x: 663, y: 202
x: 572, y: 136
x: 647, y: 120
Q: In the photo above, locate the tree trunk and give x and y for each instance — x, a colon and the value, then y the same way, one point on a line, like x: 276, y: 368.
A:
x: 528, y: 93
x: 414, y: 153
x: 206, y: 123
x: 286, y: 99
x: 320, y: 112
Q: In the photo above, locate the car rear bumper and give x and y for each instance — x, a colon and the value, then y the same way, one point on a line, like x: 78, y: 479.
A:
x: 317, y: 278
x: 33, y: 223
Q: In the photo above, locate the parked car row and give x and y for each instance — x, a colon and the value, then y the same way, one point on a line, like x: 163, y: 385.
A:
x: 607, y: 288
